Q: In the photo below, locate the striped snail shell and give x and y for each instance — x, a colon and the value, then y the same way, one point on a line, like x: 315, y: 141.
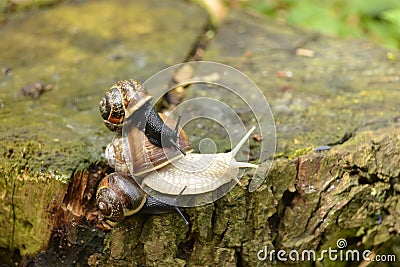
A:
x: 134, y: 153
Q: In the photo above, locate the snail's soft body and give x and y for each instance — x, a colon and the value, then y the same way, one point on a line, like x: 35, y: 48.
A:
x: 197, y: 173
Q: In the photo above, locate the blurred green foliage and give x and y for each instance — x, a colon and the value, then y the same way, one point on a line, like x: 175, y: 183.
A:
x: 378, y: 20
x: 9, y: 6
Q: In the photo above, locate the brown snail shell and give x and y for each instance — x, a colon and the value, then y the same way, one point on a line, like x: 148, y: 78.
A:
x: 119, y: 196
x: 121, y: 101
x: 133, y: 152
x: 114, y: 154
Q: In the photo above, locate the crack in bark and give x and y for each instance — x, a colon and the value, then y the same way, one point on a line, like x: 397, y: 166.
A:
x: 203, y: 40
x: 13, y: 215
x: 321, y: 193
x: 349, y: 134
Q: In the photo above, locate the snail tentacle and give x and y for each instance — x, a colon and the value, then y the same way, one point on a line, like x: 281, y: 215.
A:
x: 236, y: 149
x: 154, y: 206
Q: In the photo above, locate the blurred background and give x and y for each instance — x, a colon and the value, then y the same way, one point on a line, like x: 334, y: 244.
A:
x: 376, y: 20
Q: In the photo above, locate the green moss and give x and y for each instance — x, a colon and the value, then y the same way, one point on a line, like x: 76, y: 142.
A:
x: 294, y: 154
x: 27, y: 228
x: 80, y: 49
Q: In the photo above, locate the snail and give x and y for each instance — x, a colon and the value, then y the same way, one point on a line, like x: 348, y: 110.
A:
x: 177, y: 176
x: 139, y: 156
x: 129, y: 99
x: 198, y: 173
x: 118, y: 196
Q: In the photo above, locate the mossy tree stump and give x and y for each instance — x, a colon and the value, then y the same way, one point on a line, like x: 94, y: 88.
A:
x: 322, y: 91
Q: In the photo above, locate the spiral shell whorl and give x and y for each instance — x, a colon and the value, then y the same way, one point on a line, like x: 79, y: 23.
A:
x: 109, y: 204
x: 133, y: 93
x: 121, y: 101
x: 119, y: 196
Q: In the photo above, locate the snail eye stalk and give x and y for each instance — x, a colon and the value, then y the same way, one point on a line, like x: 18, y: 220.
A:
x: 181, y: 214
x: 174, y: 142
